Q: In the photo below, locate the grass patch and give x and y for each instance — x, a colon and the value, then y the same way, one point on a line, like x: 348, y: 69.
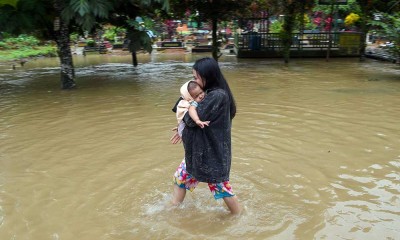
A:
x: 27, y: 52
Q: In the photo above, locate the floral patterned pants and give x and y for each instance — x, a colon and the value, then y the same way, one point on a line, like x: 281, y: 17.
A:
x: 184, y: 180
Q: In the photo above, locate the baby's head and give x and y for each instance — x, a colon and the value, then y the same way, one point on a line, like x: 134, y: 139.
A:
x: 196, y: 91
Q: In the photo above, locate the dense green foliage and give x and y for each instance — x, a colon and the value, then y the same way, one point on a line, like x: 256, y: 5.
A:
x: 388, y: 25
x: 36, y: 16
x: 24, y: 46
x: 14, y: 54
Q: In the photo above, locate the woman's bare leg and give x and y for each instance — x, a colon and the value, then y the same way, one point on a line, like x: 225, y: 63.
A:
x: 178, y: 195
x: 233, y: 205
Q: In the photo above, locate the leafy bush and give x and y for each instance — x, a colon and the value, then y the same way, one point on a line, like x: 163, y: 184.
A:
x: 91, y: 43
x: 48, y: 51
x: 24, y: 46
x: 22, y: 41
x: 4, y: 45
x: 276, y: 27
x: 112, y: 32
x: 389, y: 26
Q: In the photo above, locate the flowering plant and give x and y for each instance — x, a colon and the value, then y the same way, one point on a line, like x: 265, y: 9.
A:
x: 351, y: 19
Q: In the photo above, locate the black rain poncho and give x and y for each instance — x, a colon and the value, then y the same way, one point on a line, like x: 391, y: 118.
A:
x: 208, y: 150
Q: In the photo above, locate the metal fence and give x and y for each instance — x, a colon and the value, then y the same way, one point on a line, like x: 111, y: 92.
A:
x: 271, y: 41
x: 308, y: 44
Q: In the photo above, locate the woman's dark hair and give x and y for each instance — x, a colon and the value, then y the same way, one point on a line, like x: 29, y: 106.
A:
x: 212, y: 77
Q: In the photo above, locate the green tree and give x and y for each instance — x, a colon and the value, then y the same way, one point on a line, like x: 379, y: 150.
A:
x: 213, y: 11
x: 55, y: 18
x: 366, y: 9
x: 52, y: 19
x: 124, y: 15
x: 293, y: 12
x: 389, y: 26
x: 389, y: 10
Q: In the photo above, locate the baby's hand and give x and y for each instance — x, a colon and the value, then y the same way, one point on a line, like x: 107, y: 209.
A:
x: 175, y: 138
x: 202, y: 124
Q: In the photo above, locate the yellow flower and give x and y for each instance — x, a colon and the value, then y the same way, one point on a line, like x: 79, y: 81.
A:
x: 351, y: 19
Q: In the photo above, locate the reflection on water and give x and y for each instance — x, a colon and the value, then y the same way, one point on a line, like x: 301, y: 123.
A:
x: 316, y: 151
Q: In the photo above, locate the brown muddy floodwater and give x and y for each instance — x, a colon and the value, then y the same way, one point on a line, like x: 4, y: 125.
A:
x: 316, y: 151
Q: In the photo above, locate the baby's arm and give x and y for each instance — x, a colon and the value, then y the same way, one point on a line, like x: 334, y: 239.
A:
x: 193, y: 114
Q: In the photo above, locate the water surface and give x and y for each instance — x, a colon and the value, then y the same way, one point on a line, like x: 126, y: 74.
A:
x: 316, y: 151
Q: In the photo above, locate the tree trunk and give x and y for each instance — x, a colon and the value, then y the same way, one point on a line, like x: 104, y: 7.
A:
x: 366, y: 14
x: 328, y: 52
x: 134, y: 59
x: 61, y: 34
x: 215, y: 49
x: 286, y: 35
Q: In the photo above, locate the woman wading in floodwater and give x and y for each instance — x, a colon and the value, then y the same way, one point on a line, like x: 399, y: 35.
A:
x: 208, y: 150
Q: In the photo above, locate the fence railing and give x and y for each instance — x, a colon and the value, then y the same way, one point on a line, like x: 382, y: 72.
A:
x: 257, y: 41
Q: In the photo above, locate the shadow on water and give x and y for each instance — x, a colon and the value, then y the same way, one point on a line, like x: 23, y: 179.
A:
x: 315, y: 151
